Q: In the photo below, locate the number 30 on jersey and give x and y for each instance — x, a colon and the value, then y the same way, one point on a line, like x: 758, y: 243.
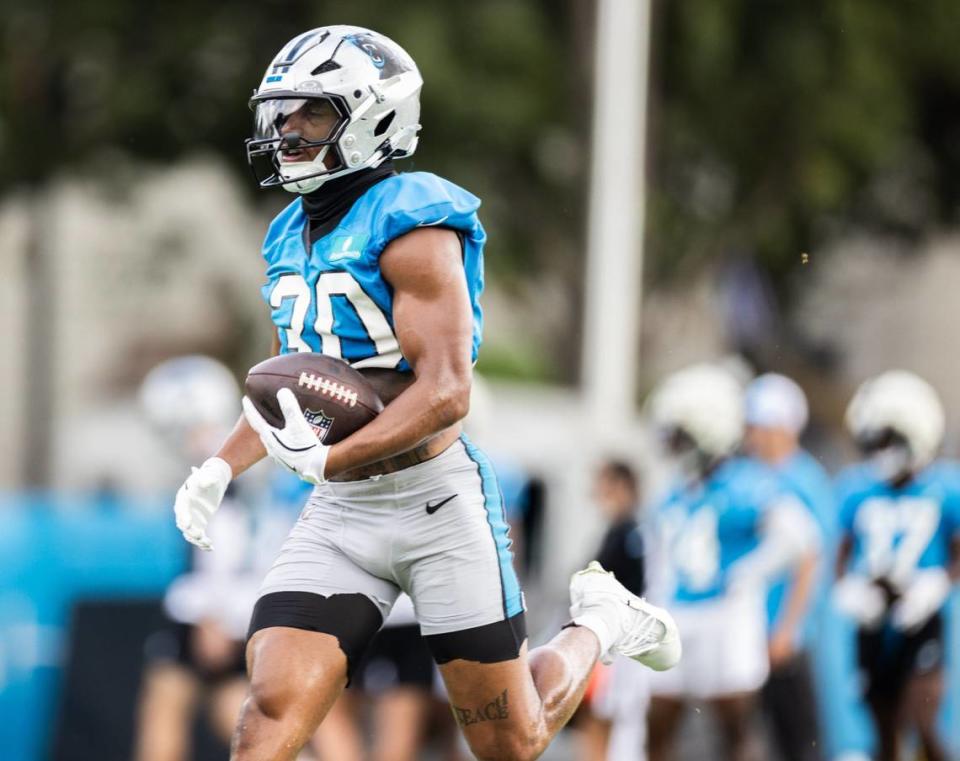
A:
x: 366, y: 340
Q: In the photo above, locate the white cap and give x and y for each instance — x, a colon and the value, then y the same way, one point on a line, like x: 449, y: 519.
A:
x: 775, y: 401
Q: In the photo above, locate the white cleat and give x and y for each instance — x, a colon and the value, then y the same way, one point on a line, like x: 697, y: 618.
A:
x: 624, y: 623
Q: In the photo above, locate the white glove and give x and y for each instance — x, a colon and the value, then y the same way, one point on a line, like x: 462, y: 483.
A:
x: 198, y: 499
x: 295, y: 446
x: 925, y: 595
x: 859, y: 598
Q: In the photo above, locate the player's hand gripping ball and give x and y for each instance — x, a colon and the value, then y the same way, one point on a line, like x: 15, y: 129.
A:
x: 299, y: 404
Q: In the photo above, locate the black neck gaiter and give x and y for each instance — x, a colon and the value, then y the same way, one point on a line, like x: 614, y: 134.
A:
x: 326, y: 206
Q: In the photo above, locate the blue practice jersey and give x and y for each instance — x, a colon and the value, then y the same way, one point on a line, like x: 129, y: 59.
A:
x: 711, y: 525
x: 332, y: 297
x: 897, y: 531
x: 806, y: 479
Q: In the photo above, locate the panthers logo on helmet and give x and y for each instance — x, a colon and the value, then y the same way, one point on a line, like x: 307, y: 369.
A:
x: 319, y: 422
x: 388, y: 64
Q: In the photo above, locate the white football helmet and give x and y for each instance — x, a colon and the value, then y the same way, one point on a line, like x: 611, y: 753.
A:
x: 703, y: 403
x: 903, y: 404
x: 372, y: 84
x: 192, y: 402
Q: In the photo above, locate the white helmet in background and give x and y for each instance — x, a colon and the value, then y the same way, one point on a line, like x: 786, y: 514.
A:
x: 192, y: 401
x: 372, y: 84
x: 703, y: 403
x: 902, y: 405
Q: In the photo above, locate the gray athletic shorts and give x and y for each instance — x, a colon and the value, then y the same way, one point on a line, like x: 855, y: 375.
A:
x: 436, y: 530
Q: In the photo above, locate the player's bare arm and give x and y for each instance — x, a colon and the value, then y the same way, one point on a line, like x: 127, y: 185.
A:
x: 953, y: 570
x: 844, y: 551
x: 782, y: 643
x: 242, y: 448
x: 433, y: 323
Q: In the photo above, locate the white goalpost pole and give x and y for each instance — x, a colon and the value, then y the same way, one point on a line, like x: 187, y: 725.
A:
x: 613, y: 270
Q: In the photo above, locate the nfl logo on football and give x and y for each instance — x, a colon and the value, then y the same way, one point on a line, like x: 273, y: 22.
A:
x: 319, y: 422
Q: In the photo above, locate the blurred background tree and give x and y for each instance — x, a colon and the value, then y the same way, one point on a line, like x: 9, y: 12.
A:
x: 101, y: 87
x: 780, y: 125
x: 97, y: 79
x: 776, y: 126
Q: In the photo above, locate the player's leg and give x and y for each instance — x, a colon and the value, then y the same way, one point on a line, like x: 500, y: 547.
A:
x: 399, y: 720
x: 735, y: 713
x: 882, y: 686
x: 922, y: 699
x: 295, y: 676
x: 512, y: 709
x: 339, y: 736
x: 509, y: 704
x: 219, y: 659
x: 457, y: 567
x: 165, y: 713
x: 455, y: 563
x: 663, y: 721
x: 317, y: 613
x: 593, y: 737
x: 591, y: 725
x: 922, y: 665
x: 226, y: 700
x: 887, y: 724
x: 789, y: 700
x: 398, y: 676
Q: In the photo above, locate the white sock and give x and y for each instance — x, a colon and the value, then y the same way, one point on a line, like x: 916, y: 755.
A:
x: 598, y: 626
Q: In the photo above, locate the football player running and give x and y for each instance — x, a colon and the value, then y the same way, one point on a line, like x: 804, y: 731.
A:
x: 776, y: 414
x: 899, y: 554
x: 384, y: 270
x: 727, y: 527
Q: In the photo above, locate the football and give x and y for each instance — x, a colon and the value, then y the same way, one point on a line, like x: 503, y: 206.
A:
x: 336, y: 399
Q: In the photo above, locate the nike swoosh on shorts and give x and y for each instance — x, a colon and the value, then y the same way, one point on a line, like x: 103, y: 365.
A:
x: 431, y: 509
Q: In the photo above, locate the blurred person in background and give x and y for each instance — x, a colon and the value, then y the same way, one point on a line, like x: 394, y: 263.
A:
x: 397, y: 676
x: 776, y: 414
x: 396, y: 294
x: 899, y: 555
x: 611, y: 721
x: 197, y: 661
x: 727, y: 527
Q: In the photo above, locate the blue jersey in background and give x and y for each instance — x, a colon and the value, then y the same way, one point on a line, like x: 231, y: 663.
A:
x: 804, y: 477
x: 898, y: 530
x: 710, y: 525
x: 331, y: 298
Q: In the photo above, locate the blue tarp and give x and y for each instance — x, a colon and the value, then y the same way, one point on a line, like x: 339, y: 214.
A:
x: 54, y: 552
